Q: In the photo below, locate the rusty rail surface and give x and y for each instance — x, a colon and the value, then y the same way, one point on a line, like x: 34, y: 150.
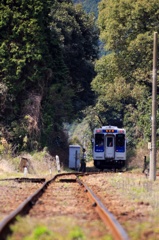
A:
x: 117, y: 231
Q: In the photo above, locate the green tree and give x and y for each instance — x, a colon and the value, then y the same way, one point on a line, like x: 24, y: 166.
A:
x: 47, y: 51
x: 89, y: 5
x: 79, y: 41
x: 24, y: 54
x: 31, y: 62
x: 123, y: 80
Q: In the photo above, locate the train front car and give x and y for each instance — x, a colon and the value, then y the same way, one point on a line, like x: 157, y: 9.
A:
x: 109, y: 147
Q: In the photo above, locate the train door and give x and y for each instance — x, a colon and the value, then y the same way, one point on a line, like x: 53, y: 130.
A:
x: 109, y: 149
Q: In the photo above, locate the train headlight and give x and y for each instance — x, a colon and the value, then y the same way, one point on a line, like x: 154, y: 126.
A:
x: 98, y: 131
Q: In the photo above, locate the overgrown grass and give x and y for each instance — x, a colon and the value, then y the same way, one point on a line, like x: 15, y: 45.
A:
x: 57, y: 228
x: 40, y: 165
x: 139, y: 189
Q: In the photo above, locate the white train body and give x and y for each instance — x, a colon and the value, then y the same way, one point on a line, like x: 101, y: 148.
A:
x: 109, y: 147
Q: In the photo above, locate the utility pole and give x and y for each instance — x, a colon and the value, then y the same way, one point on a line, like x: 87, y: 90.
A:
x: 154, y: 110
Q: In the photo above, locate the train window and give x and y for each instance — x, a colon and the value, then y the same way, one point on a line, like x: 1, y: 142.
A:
x: 120, y: 140
x: 109, y: 142
x: 99, y: 139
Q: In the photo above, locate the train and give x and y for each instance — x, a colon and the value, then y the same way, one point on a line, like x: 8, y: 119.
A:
x: 109, y: 147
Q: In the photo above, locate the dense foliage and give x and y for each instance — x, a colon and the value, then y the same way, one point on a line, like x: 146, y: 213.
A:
x: 47, y: 51
x: 89, y: 5
x: 79, y: 40
x: 124, y: 75
x: 26, y: 53
x: 47, y: 55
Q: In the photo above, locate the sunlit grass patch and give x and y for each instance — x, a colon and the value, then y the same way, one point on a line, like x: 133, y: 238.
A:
x: 76, y: 233
x: 51, y: 229
x: 40, y: 232
x: 145, y: 230
x: 137, y: 188
x: 57, y: 228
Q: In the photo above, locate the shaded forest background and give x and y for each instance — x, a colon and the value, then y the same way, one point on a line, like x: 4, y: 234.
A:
x: 57, y: 85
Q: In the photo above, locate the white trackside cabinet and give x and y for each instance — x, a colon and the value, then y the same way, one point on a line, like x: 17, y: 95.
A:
x: 74, y: 156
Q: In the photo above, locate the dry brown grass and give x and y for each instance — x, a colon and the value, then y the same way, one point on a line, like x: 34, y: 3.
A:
x: 137, y: 160
x: 40, y: 164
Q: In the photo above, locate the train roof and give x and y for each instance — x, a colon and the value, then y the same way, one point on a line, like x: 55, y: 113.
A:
x: 107, y: 127
x: 112, y: 129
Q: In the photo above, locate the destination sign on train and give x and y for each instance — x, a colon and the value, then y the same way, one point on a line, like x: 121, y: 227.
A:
x: 109, y: 131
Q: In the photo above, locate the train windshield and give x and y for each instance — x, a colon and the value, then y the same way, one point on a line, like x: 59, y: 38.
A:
x: 99, y: 142
x: 109, y: 142
x: 120, y: 142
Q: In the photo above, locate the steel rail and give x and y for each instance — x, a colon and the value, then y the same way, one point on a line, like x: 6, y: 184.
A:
x: 117, y: 231
x: 108, y: 218
x: 24, y: 207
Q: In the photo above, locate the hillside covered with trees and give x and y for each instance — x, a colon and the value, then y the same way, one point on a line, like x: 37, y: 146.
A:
x: 124, y: 76
x: 51, y: 74
x: 123, y: 81
x: 47, y: 50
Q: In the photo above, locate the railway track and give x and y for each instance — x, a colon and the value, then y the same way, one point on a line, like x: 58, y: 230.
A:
x: 66, y: 195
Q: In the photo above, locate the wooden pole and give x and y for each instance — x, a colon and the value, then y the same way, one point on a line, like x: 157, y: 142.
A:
x: 154, y: 107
